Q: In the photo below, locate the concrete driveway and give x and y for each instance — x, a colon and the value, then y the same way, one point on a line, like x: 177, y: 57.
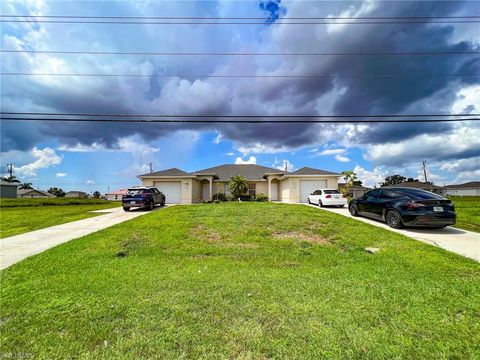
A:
x: 462, y: 242
x: 16, y: 248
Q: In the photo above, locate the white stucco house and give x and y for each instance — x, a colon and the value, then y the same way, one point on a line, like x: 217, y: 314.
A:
x: 471, y: 188
x: 181, y: 187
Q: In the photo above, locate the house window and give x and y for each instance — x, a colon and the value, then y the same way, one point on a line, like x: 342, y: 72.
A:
x: 251, y: 189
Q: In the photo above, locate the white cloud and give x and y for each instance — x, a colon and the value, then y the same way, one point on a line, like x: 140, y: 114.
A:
x: 280, y: 165
x: 59, y: 174
x: 90, y: 182
x: 332, y: 152
x: 262, y: 149
x: 371, y: 178
x: 217, y: 139
x: 341, y: 158
x: 45, y: 158
x: 251, y: 160
x: 230, y: 154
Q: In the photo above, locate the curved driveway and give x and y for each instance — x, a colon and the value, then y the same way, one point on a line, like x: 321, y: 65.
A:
x: 462, y: 242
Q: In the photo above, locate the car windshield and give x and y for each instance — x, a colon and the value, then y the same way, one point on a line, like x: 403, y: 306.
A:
x: 331, y: 191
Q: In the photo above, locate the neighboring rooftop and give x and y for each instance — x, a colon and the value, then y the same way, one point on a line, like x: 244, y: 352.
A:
x: 27, y: 191
x: 118, y: 192
x: 6, y: 183
x: 418, y: 185
x: 468, y: 185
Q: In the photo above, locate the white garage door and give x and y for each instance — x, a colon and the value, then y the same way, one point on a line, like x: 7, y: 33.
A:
x: 309, y: 186
x: 171, y: 190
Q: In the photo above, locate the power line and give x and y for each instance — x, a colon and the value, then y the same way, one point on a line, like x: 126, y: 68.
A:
x: 237, y: 116
x: 250, y: 121
x: 238, y: 76
x: 240, y: 18
x: 238, y: 53
x: 335, y: 22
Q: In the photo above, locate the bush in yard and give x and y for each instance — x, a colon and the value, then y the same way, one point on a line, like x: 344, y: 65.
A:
x: 219, y: 197
x: 261, y: 197
x: 238, y: 186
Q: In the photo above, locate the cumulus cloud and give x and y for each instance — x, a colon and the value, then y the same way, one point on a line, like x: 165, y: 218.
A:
x: 341, y: 158
x: 250, y: 160
x: 371, y: 178
x: 90, y: 182
x: 385, y: 143
x: 60, y: 174
x: 332, y: 152
x: 45, y: 158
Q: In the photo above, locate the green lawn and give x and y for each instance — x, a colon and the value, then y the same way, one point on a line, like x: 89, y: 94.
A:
x: 22, y: 215
x: 245, y: 281
x: 468, y: 212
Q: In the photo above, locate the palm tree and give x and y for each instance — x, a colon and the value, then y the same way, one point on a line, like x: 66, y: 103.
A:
x: 238, y: 186
x: 10, y: 179
x: 26, y: 185
x: 350, y: 178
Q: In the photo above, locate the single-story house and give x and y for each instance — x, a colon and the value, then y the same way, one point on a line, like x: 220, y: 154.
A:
x: 471, y: 188
x: 76, y: 194
x: 33, y: 194
x: 186, y: 188
x: 8, y: 190
x: 116, y: 195
x: 356, y: 191
x: 440, y: 190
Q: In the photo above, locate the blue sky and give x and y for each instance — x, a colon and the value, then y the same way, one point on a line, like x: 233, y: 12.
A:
x: 97, y: 157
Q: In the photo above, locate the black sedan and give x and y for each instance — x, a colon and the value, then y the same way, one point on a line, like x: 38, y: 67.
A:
x: 402, y: 206
x: 142, y: 197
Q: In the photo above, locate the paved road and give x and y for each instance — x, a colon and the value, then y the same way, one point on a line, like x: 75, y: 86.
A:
x: 16, y: 248
x: 462, y: 242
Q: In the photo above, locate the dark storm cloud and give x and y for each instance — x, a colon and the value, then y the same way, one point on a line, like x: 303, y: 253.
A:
x: 360, y: 95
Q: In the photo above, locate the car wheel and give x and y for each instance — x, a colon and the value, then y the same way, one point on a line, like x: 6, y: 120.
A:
x: 126, y: 208
x: 308, y: 201
x: 393, y: 219
x: 353, y: 210
x: 163, y: 202
x: 320, y: 203
x: 151, y: 205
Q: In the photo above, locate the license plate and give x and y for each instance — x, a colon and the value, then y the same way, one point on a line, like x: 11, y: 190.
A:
x: 132, y: 202
x: 437, y: 208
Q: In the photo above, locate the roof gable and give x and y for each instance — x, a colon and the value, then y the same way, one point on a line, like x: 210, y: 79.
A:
x: 312, y: 171
x: 167, y: 172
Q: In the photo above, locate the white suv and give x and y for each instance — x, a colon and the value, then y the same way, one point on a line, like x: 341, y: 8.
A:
x: 327, y: 197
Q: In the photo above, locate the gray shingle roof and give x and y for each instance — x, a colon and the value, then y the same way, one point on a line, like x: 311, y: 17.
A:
x: 417, y: 185
x: 311, y: 171
x: 6, y: 183
x: 471, y: 184
x: 250, y: 171
x: 26, y: 191
x: 168, y: 172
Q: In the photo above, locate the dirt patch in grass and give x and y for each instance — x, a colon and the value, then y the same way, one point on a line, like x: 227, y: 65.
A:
x: 202, y: 232
x: 301, y: 236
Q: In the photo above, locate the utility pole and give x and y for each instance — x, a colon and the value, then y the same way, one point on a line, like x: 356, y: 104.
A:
x: 10, y: 170
x: 285, y: 164
x: 424, y: 163
x: 151, y: 167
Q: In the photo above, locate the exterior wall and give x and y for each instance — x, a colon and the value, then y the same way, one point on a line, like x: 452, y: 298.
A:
x: 8, y: 191
x: 75, y: 194
x: 114, y: 197
x: 284, y: 190
x: 290, y: 187
x: 261, y: 187
x: 464, y: 192
x: 196, y: 191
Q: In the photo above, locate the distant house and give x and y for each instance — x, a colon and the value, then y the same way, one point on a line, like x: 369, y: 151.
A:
x: 116, y: 195
x: 440, y: 190
x: 33, y: 194
x: 471, y: 188
x: 76, y: 194
x: 8, y: 190
x: 356, y: 191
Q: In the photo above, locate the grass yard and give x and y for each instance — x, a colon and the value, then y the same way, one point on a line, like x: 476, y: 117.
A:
x: 246, y: 281
x: 22, y: 215
x: 468, y: 212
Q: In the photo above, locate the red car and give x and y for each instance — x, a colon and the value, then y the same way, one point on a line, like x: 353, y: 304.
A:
x: 142, y: 197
